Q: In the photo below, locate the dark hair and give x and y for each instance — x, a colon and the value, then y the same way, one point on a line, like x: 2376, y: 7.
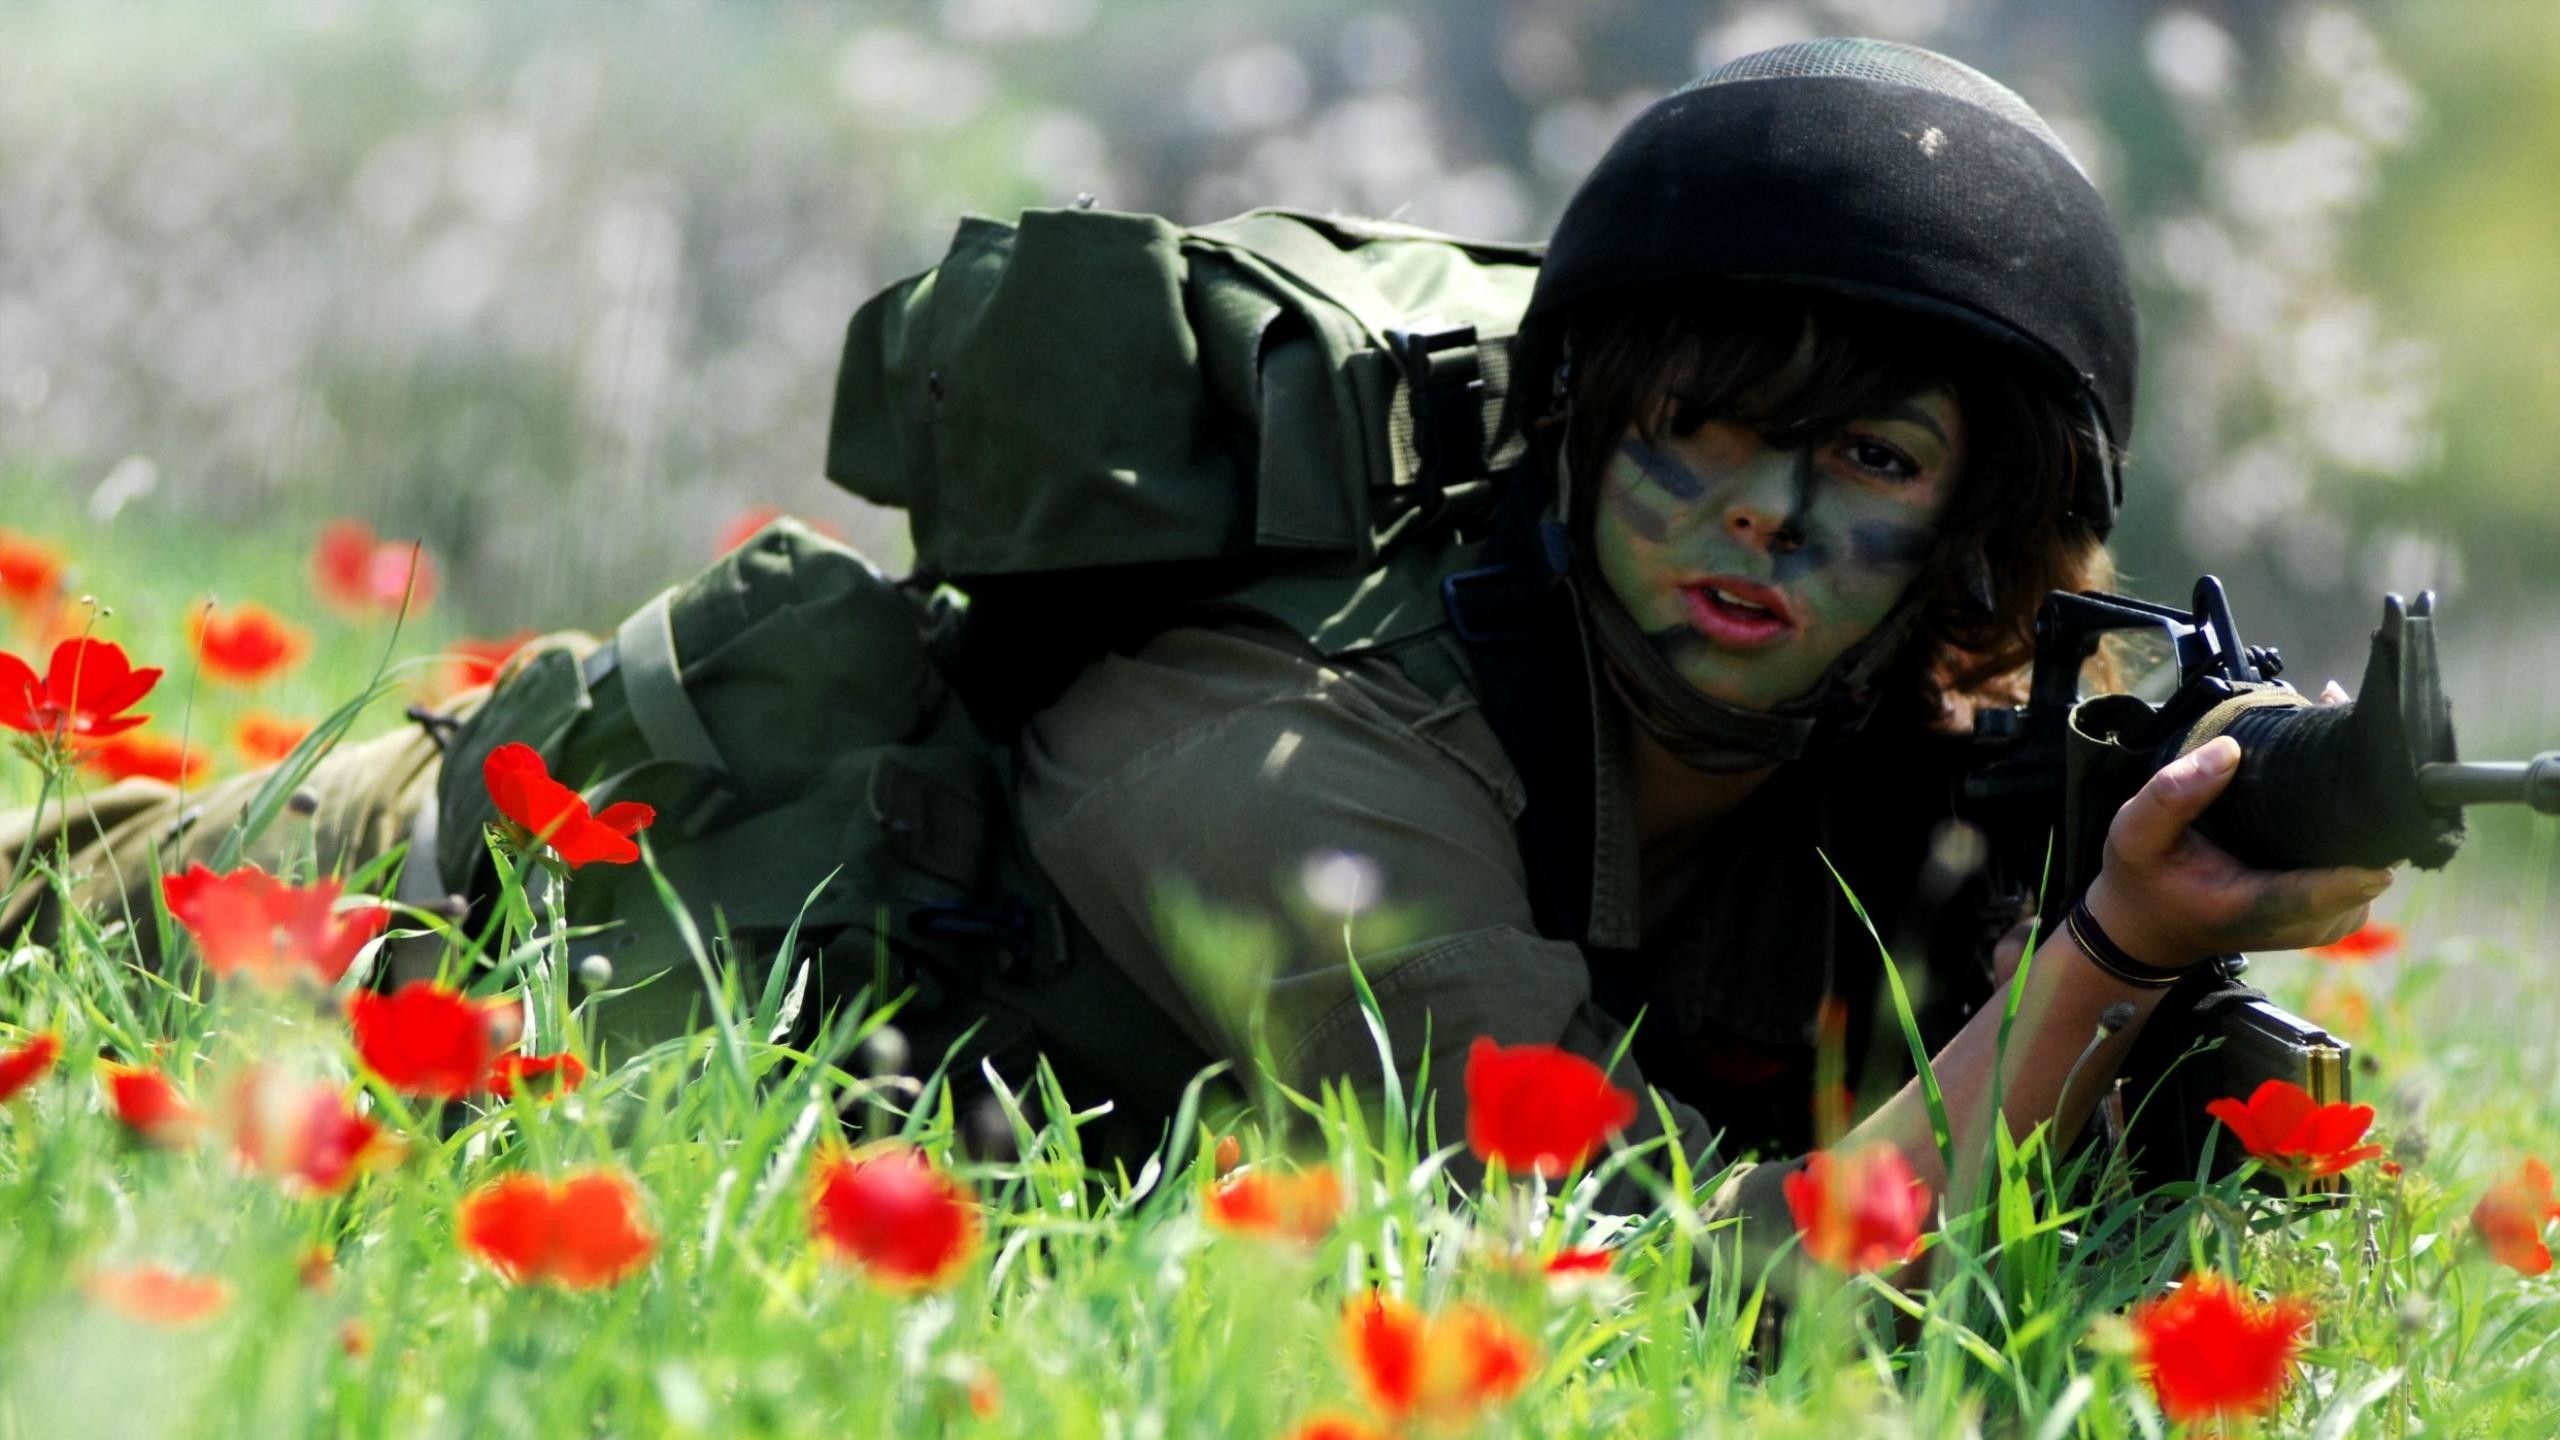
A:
x: 1797, y: 363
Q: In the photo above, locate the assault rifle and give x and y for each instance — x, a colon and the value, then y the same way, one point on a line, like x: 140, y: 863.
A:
x: 2372, y: 781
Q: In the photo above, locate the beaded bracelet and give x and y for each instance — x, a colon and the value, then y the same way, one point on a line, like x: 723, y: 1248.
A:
x: 2111, y: 957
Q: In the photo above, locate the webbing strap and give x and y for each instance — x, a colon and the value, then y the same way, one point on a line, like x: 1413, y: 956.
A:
x: 654, y: 684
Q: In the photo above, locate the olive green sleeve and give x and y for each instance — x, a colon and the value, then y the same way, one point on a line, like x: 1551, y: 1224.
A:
x: 1216, y: 767
x: 361, y: 798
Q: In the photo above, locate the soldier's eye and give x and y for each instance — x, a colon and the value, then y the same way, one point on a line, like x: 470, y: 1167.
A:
x: 1882, y: 459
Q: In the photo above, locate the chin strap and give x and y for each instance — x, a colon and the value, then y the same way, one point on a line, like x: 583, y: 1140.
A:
x: 1705, y: 733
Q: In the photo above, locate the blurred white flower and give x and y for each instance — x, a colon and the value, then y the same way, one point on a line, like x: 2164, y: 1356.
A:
x: 1252, y: 88
x: 1065, y: 153
x: 1759, y: 28
x: 899, y: 78
x: 1906, y: 20
x: 2309, y: 177
x: 1568, y: 137
x: 2408, y: 561
x: 2191, y: 56
x: 1539, y: 59
x: 497, y: 170
x: 1485, y: 201
x: 133, y: 477
x: 1339, y: 882
x: 1000, y: 20
x: 1379, y: 51
x: 396, y: 182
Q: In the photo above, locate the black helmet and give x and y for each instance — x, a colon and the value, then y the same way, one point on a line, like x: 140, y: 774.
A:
x: 1879, y: 171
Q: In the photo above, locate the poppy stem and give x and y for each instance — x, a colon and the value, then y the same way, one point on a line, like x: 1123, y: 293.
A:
x: 50, y: 771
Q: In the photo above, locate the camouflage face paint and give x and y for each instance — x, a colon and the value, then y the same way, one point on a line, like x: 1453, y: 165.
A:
x: 1818, y: 541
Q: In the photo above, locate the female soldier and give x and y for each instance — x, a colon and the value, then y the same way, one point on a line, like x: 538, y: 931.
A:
x: 1824, y: 384
x: 1825, y: 380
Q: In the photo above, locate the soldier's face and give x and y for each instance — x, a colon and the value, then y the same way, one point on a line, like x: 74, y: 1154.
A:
x: 1752, y: 567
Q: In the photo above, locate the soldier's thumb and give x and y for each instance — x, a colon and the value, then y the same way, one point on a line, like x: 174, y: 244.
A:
x: 2185, y: 787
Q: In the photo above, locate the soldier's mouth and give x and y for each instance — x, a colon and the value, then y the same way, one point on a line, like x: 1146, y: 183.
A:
x: 1737, y: 614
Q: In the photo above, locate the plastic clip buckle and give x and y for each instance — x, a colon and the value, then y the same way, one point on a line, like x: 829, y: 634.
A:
x: 1006, y: 924
x: 1445, y: 377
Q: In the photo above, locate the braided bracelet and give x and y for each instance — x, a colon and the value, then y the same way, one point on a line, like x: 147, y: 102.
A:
x: 2111, y: 957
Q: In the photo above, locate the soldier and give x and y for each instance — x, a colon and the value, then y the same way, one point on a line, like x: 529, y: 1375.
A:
x: 1824, y: 385
x: 1826, y: 379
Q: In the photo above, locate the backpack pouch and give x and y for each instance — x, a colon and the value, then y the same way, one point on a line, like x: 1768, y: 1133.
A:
x: 763, y: 708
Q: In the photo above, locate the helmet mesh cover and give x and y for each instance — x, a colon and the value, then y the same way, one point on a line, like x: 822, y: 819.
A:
x: 1883, y: 60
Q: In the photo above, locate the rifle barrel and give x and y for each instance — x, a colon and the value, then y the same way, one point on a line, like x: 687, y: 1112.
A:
x: 2534, y: 782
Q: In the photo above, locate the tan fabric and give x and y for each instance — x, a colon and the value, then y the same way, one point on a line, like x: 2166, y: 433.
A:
x: 1222, y: 762
x: 368, y: 794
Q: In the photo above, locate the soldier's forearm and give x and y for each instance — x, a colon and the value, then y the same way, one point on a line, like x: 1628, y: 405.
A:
x: 2058, y: 1022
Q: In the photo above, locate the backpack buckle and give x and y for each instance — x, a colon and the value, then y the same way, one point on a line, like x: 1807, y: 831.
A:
x: 1489, y: 605
x: 1444, y: 376
x: 1006, y: 924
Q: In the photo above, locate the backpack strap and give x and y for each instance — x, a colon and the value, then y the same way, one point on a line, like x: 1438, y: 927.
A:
x: 653, y: 682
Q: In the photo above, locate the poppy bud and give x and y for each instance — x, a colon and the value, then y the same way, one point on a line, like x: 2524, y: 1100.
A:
x: 595, y: 972
x: 989, y: 1136
x: 885, y: 1053
x: 304, y: 803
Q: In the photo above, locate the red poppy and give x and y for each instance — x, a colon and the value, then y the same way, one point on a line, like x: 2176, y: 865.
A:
x: 1861, y: 1211
x: 2209, y: 1350
x: 1278, y: 1206
x: 424, y: 1039
x: 301, y: 1133
x: 888, y: 1209
x: 1536, y: 1107
x: 147, y: 1103
x: 30, y: 571
x: 265, y: 738
x: 2341, y: 1008
x: 357, y: 572
x: 1228, y: 1155
x: 251, y: 922
x: 317, y: 1270
x: 26, y: 1065
x: 2510, y: 1217
x: 1334, y: 1425
x: 544, y: 811
x: 746, y: 524
x: 471, y: 663
x: 145, y: 756
x: 584, y: 1231
x: 2372, y: 942
x: 87, y: 685
x: 250, y: 644
x: 1440, y: 1370
x: 541, y: 1076
x: 1593, y: 1260
x: 2286, y: 1130
x: 158, y: 1295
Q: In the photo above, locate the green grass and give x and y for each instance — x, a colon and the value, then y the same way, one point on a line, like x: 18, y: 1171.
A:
x: 1102, y: 1305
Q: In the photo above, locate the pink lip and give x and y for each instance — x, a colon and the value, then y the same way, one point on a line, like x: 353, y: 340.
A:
x: 1737, y: 629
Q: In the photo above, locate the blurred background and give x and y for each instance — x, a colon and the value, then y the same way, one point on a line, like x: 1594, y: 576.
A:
x: 558, y: 288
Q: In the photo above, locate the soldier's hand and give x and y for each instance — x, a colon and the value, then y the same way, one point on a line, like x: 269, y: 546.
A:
x: 2171, y: 897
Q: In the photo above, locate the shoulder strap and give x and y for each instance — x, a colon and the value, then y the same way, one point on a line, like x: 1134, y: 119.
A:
x: 653, y: 682
x: 1525, y: 649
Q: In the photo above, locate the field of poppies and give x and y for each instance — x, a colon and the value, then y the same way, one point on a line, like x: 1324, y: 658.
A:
x: 252, y: 1193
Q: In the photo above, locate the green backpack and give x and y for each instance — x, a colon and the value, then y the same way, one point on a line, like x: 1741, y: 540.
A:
x: 1098, y: 423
